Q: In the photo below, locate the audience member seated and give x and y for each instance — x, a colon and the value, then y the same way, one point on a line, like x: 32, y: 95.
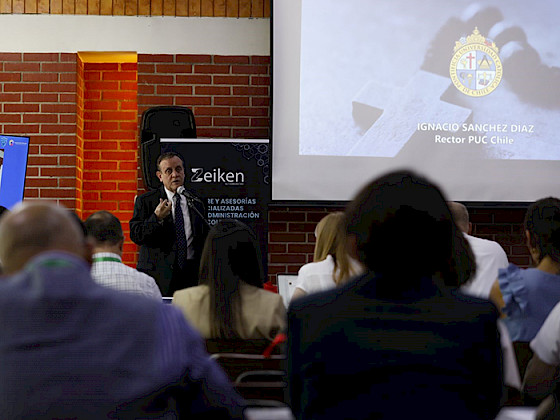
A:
x: 526, y: 296
x: 542, y: 373
x: 489, y: 258
x: 230, y: 303
x: 107, y: 237
x: 400, y: 341
x: 331, y: 266
x: 489, y: 255
x: 71, y: 348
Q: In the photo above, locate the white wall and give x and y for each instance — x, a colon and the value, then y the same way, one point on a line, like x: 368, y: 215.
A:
x: 149, y: 35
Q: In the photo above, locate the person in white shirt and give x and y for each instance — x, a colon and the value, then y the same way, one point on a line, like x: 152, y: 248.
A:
x: 332, y: 265
x: 489, y: 258
x: 489, y: 255
x: 542, y: 374
x: 105, y: 232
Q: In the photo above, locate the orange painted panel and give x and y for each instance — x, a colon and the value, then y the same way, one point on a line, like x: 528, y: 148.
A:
x: 266, y: 12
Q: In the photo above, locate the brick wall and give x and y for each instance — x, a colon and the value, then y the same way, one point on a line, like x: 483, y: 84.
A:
x: 45, y: 96
x: 292, y: 239
x: 38, y: 99
x: 229, y: 95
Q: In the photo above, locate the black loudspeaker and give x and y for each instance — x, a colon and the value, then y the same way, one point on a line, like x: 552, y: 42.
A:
x: 162, y: 122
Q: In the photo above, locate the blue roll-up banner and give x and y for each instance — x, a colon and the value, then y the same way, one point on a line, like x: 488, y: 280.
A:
x: 232, y: 177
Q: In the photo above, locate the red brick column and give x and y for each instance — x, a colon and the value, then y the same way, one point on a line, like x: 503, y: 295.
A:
x: 110, y: 143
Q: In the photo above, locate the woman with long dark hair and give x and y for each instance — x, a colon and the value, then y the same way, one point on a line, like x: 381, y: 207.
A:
x: 229, y: 301
x: 401, y: 340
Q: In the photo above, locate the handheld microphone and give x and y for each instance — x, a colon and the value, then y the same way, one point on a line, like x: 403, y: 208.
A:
x: 190, y: 197
x: 190, y: 202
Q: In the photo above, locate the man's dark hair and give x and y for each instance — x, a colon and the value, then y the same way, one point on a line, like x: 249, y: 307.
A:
x: 3, y: 210
x: 79, y: 222
x: 542, y: 221
x: 169, y: 155
x: 404, y: 231
x: 104, y: 227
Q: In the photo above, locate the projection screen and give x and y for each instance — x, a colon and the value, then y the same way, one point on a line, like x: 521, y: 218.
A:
x: 466, y: 93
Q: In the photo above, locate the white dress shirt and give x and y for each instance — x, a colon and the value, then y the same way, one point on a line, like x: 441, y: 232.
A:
x: 186, y: 218
x: 109, y: 271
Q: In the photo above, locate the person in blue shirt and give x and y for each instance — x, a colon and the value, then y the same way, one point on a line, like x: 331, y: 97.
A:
x: 70, y: 348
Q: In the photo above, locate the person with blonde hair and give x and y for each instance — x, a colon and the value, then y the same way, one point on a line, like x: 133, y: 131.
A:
x: 332, y: 265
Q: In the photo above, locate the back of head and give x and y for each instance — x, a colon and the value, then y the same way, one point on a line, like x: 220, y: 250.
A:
x: 104, y: 228
x: 404, y: 230
x: 30, y: 229
x: 329, y: 232
x: 460, y: 215
x: 230, y: 255
x: 542, y: 221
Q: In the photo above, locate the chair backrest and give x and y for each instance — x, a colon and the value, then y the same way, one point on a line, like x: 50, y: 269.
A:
x: 219, y: 345
x: 235, y: 364
x: 259, y: 379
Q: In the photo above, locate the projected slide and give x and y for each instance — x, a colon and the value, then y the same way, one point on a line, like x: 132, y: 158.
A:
x: 402, y: 78
x: 13, y: 165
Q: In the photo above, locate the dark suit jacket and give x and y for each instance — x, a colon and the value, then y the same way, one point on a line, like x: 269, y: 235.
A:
x: 158, y: 241
x: 356, y: 352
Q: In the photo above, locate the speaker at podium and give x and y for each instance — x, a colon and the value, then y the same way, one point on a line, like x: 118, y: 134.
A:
x: 158, y: 123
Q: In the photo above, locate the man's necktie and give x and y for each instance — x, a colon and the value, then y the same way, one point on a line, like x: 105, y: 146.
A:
x: 180, y: 232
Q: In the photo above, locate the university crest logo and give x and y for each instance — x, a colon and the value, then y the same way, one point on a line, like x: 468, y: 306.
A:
x: 475, y: 69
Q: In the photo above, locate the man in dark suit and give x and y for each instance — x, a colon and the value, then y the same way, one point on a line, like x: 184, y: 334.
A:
x: 401, y: 341
x: 168, y: 225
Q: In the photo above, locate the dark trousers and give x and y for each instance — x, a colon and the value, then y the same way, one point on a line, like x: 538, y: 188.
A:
x: 183, y: 278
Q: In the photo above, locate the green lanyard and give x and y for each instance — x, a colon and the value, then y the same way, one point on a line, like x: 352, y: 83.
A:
x: 100, y: 259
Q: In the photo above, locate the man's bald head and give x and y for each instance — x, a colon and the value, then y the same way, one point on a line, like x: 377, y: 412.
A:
x: 30, y: 229
x: 460, y: 215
